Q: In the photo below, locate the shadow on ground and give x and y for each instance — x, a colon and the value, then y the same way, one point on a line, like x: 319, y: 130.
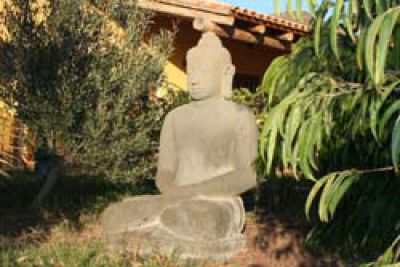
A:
x: 277, y: 231
x: 71, y: 197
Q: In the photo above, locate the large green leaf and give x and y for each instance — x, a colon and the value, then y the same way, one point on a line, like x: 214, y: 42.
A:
x: 361, y: 46
x: 334, y: 189
x: 387, y: 115
x: 299, y: 10
x: 396, y: 44
x: 334, y: 26
x: 355, y: 7
x: 374, y: 108
x: 315, y: 190
x: 323, y: 202
x: 311, y: 6
x: 380, y: 6
x: 314, y: 136
x: 289, y: 7
x: 370, y: 41
x: 317, y: 34
x: 391, y: 256
x: 305, y: 137
x: 396, y: 144
x: 348, y: 20
x: 385, y: 35
x: 368, y: 7
x: 377, y: 44
x: 277, y: 7
x: 341, y: 187
x: 292, y: 125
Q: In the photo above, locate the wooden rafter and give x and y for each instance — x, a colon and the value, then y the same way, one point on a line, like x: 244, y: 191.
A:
x: 288, y: 36
x: 203, y: 24
x: 260, y: 29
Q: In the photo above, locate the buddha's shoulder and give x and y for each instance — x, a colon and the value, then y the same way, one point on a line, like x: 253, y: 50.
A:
x: 179, y: 111
x: 183, y: 109
x: 238, y: 107
x: 240, y: 110
x: 235, y: 109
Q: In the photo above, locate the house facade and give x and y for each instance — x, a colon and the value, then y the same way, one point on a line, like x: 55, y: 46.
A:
x: 253, y: 39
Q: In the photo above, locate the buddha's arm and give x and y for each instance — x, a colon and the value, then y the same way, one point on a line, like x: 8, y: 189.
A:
x: 167, y: 157
x: 232, y: 184
x: 243, y: 177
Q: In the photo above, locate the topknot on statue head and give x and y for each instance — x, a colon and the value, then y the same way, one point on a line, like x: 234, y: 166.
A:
x: 209, y: 48
x: 211, y: 43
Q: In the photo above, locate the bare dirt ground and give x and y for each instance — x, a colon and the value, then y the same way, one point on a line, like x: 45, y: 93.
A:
x: 273, y: 243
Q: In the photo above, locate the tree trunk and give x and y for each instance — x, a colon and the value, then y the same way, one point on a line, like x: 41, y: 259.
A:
x: 51, y: 172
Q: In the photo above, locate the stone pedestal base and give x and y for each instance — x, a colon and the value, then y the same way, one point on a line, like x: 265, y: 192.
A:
x: 198, y: 228
x: 156, y: 243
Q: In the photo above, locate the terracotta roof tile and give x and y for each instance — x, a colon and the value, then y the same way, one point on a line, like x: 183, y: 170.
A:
x: 272, y: 21
x: 206, y: 5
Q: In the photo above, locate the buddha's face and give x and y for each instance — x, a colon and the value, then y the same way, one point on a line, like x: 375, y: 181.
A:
x: 205, y: 75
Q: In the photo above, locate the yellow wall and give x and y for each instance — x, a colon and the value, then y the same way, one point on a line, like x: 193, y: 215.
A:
x: 175, y: 76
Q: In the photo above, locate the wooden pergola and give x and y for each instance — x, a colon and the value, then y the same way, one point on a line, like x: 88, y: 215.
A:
x: 232, y: 22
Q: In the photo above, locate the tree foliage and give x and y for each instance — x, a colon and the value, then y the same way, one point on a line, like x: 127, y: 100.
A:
x: 81, y: 74
x: 333, y: 116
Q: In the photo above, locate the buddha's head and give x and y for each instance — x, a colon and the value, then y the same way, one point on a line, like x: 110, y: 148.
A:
x: 210, y: 69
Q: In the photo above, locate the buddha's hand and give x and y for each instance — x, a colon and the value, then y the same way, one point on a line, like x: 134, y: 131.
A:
x: 177, y: 191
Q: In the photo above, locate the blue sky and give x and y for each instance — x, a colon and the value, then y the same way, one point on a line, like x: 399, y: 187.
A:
x: 264, y: 6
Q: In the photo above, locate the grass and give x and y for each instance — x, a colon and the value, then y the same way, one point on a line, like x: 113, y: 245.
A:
x: 71, y: 200
x: 86, y: 254
x: 62, y: 254
x: 65, y: 231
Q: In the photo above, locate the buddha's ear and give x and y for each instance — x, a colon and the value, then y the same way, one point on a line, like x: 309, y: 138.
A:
x: 229, y: 70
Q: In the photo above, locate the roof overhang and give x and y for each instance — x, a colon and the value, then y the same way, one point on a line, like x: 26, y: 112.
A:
x: 271, y: 21
x: 216, y: 12
x: 226, y: 20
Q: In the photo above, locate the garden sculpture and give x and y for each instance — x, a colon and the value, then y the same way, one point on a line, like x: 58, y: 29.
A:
x: 207, y: 151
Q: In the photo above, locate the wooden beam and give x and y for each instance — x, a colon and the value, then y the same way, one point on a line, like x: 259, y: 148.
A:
x: 186, y: 12
x: 288, y: 36
x: 204, y: 25
x: 260, y: 29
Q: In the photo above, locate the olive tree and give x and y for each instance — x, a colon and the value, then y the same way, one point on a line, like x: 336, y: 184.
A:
x: 80, y: 74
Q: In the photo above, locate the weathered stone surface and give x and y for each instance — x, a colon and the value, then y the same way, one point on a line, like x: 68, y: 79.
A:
x: 207, y: 149
x: 200, y: 227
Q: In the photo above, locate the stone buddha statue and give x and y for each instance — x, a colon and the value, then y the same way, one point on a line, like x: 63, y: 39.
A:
x: 206, y: 156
